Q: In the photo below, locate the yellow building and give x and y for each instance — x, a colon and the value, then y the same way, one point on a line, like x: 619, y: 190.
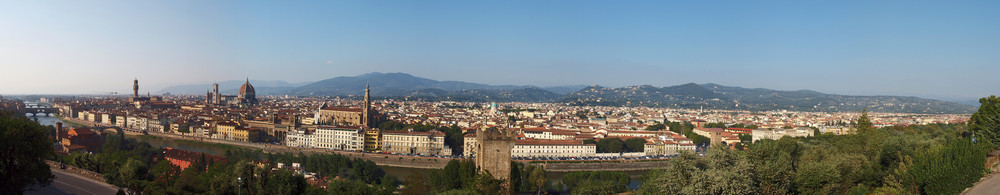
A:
x: 340, y: 116
x: 407, y: 142
x: 236, y: 132
x: 372, y: 137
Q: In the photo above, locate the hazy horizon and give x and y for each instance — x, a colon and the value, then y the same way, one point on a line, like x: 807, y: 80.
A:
x: 938, y: 50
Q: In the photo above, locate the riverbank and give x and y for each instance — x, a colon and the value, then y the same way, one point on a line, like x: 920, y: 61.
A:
x: 390, y: 160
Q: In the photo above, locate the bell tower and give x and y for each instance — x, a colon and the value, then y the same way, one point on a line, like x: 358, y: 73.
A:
x: 366, y: 108
x: 135, y: 88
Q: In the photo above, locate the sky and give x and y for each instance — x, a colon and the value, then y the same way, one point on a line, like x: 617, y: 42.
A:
x: 934, y: 49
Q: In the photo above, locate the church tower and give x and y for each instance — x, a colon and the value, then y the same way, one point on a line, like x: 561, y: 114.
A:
x: 215, y: 94
x: 366, y: 108
x: 135, y: 88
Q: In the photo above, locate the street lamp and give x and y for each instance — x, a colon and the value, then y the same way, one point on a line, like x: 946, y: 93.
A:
x: 239, y: 186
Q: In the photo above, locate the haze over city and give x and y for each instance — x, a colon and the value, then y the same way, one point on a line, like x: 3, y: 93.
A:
x: 505, y: 97
x: 936, y: 50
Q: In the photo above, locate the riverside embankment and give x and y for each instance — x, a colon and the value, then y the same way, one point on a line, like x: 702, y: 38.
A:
x: 390, y: 160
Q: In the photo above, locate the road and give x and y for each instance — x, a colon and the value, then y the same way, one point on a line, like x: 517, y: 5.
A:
x: 989, y: 186
x: 69, y: 183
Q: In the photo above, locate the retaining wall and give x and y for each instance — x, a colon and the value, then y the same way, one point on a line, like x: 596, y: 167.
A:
x: 78, y: 171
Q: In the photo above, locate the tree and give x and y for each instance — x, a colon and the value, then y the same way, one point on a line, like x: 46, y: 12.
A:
x: 635, y: 145
x: 415, y: 184
x: 24, y: 145
x: 286, y: 182
x: 131, y: 175
x: 864, y: 125
x: 715, y: 125
x: 986, y: 121
x: 610, y: 145
x: 596, y: 182
x: 451, y: 177
x: 538, y: 180
x: 343, y: 186
x: 656, y: 127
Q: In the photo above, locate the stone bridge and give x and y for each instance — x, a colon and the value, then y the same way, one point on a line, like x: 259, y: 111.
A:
x: 41, y: 110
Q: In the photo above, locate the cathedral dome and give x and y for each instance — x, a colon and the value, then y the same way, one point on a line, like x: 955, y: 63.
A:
x: 246, y: 89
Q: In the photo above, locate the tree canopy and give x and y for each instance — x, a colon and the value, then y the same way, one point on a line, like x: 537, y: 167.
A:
x: 986, y: 121
x: 24, y: 146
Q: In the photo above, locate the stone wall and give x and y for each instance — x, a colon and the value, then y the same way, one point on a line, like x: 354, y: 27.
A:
x: 602, y: 166
x: 78, y: 171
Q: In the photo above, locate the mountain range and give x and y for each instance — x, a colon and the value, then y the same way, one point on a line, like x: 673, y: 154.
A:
x: 231, y: 86
x: 691, y: 95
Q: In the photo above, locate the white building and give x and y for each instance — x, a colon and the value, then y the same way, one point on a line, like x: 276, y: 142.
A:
x: 339, y: 137
x: 302, y: 138
x: 121, y: 121
x: 547, y: 134
x: 408, y: 142
x: 469, y: 147
x: 776, y: 134
x: 552, y: 148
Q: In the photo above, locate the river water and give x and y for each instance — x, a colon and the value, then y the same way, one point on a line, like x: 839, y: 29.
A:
x: 398, y: 172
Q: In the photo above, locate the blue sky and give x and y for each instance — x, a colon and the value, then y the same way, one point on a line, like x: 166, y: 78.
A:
x: 944, y: 50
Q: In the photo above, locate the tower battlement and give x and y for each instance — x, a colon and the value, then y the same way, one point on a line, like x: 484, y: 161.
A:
x: 494, y: 151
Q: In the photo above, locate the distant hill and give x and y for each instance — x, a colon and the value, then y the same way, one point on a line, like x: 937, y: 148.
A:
x: 386, y: 84
x: 563, y: 90
x: 691, y: 95
x: 231, y: 86
x: 416, y: 88
x: 725, y: 97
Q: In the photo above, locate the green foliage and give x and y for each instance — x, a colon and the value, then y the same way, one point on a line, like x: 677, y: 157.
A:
x: 484, y: 183
x: 596, y: 187
x: 415, y: 184
x: 656, y: 127
x: 950, y: 167
x: 745, y: 126
x: 600, y: 182
x: 986, y: 121
x: 864, y: 125
x: 675, y: 126
x: 747, y: 138
x: 635, y: 145
x: 287, y: 182
x: 610, y: 145
x: 25, y: 144
x: 340, y: 186
x: 536, y: 179
x: 715, y: 125
x: 928, y: 159
x: 131, y: 174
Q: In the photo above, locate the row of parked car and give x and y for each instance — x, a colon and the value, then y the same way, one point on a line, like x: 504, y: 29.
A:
x: 596, y: 158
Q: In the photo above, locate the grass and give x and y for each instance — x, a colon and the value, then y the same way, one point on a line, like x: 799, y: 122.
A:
x: 70, y: 123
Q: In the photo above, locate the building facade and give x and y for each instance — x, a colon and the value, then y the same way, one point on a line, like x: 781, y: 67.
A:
x: 408, y: 142
x: 552, y: 148
x: 339, y: 137
x: 236, y: 132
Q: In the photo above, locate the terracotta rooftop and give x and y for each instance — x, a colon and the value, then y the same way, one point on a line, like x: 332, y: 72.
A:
x: 189, y: 156
x: 343, y: 109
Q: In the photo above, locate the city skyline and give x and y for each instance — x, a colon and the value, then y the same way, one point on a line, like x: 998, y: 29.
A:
x: 925, y: 49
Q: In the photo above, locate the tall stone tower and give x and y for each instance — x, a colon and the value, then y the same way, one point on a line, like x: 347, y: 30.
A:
x: 366, y: 108
x: 215, y: 93
x: 493, y: 153
x: 135, y: 88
